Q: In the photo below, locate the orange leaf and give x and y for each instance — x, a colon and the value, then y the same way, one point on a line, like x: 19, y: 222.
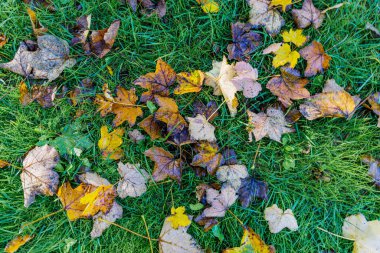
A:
x: 16, y: 243
x: 169, y: 113
x: 151, y: 127
x: 317, y: 59
x: 38, y: 29
x: 124, y: 107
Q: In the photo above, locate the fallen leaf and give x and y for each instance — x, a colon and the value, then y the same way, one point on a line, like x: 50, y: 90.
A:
x: 294, y: 36
x: 285, y: 55
x: 133, y: 180
x: 105, y: 101
x: 109, y: 143
x: 84, y: 91
x: 244, y: 42
x: 158, y: 82
x: 288, y: 87
x: 125, y: 107
x: 207, y: 222
x: 189, y: 82
x: 251, y: 242
x: 279, y: 219
x: 293, y: 116
x: 16, y: 243
x: 133, y: 4
x: 210, y: 111
x: 245, y: 80
x: 209, y: 6
x: 81, y: 30
x: 374, y: 169
x: 283, y: 3
x: 229, y: 156
x: 220, y: 201
x: 232, y: 175
x: 165, y: 165
x: 365, y: 233
x: 261, y: 14
x: 272, y: 124
x: 169, y: 114
x: 207, y: 157
x: 178, y: 217
x: 116, y: 212
x: 308, y: 15
x: 317, y: 60
x: 374, y: 105
x: 251, y: 189
x: 38, y: 3
x: 93, y: 179
x: 38, y: 29
x: 151, y: 8
x: 136, y: 136
x: 151, y: 127
x: 38, y: 176
x: 200, y: 129
x: 3, y: 164
x: 368, y: 26
x: 101, y: 199
x: 47, y: 61
x: 3, y: 40
x: 272, y: 48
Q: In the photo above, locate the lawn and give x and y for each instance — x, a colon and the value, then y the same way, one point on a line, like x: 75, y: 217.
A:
x: 189, y: 39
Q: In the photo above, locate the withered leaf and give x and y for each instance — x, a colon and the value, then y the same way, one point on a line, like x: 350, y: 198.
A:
x: 288, y: 87
x: 210, y: 111
x: 169, y: 114
x: 133, y: 182
x: 308, y: 15
x: 105, y: 101
x: 151, y: 127
x: 207, y: 157
x: 251, y: 189
x: 189, y: 82
x: 207, y: 222
x: 38, y: 29
x: 44, y: 3
x: 244, y: 42
x: 374, y: 169
x: 149, y: 7
x: 4, y: 164
x: 220, y: 201
x: 101, y: 41
x: 317, y: 60
x: 81, y: 30
x: 93, y: 178
x: 44, y: 95
x: 279, y: 219
x: 136, y: 136
x: 165, y: 165
x: 180, y: 138
x: 158, y: 82
x: 82, y: 91
x: 232, y: 175
x: 16, y: 243
x: 200, y: 129
x: 374, y: 105
x: 3, y: 40
x: 116, y: 212
x: 125, y: 107
x: 229, y: 156
x: 245, y: 80
x: 38, y: 176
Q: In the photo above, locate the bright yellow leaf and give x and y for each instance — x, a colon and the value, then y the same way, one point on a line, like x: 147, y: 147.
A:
x: 283, y: 3
x: 189, y: 82
x: 209, y: 6
x: 179, y: 218
x: 16, y: 243
x: 110, y: 70
x: 294, y: 36
x: 99, y: 200
x: 110, y: 143
x: 285, y: 55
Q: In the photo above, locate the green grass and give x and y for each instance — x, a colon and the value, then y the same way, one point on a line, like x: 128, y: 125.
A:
x: 189, y: 39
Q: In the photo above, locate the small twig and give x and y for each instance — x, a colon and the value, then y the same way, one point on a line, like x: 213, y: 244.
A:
x: 333, y: 7
x: 42, y: 218
x: 147, y: 232
x: 324, y: 230
x: 257, y: 152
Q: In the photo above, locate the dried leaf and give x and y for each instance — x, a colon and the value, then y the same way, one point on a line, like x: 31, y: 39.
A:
x: 220, y: 201
x: 207, y: 222
x: 209, y: 6
x: 116, y: 212
x: 285, y: 55
x: 272, y: 48
x: 308, y: 15
x: 101, y: 199
x: 38, y: 3
x: 151, y: 8
x: 251, y: 189
x: 104, y: 101
x: 38, y: 176
x: 374, y: 169
x: 317, y: 60
x: 374, y: 105
x: 136, y: 136
x: 279, y: 219
x: 125, y: 107
x: 151, y: 127
x: 133, y: 182
x: 283, y: 3
x: 101, y: 41
x: 44, y: 95
x: 109, y: 143
x: 178, y: 217
x: 180, y: 138
x: 294, y: 36
x: 245, y: 80
x: 16, y: 243
x: 232, y: 175
x: 81, y: 30
x: 229, y: 156
x: 210, y: 111
x: 169, y: 114
x: 189, y: 82
x: 83, y: 91
x: 207, y: 157
x: 3, y: 40
x: 4, y: 164
x: 38, y: 29
x: 200, y: 129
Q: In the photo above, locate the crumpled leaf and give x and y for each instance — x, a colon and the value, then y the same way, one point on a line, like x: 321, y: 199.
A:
x: 308, y: 15
x: 283, y: 3
x: 220, y: 201
x: 116, y: 212
x: 81, y: 30
x: 158, y: 82
x: 38, y: 29
x: 271, y: 124
x: 109, y: 143
x: 285, y: 55
x: 245, y: 80
x: 46, y: 60
x: 38, y: 176
x: 261, y: 14
x: 136, y: 136
x: 3, y: 40
x: 189, y: 82
x: 251, y: 242
x: 165, y: 165
x: 177, y: 240
x: 44, y: 95
x: 151, y: 127
x: 365, y: 233
x: 200, y: 129
x: 232, y: 175
x: 288, y: 87
x: 207, y: 157
x: 334, y: 101
x: 244, y: 42
x: 133, y: 182
x: 210, y: 111
x: 169, y: 114
x: 16, y: 243
x: 374, y: 169
x: 374, y: 105
x: 294, y: 36
x: 317, y: 60
x: 209, y: 6
x: 179, y: 218
x: 279, y: 219
x: 251, y: 189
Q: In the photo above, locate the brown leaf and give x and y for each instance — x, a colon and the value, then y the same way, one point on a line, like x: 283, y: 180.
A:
x: 105, y: 101
x: 210, y: 111
x: 81, y: 30
x: 200, y: 129
x: 16, y: 243
x: 317, y: 60
x: 151, y: 127
x: 293, y: 116
x: 44, y: 3
x: 165, y: 165
x: 288, y: 87
x: 44, y: 95
x: 207, y: 157
x: 308, y: 15
x: 3, y: 164
x: 151, y: 8
x: 374, y: 169
x: 101, y: 41
x: 374, y: 105
x: 3, y: 40
x: 207, y: 222
x: 158, y: 82
x: 251, y: 189
x: 169, y: 114
x: 38, y: 29
x: 81, y: 92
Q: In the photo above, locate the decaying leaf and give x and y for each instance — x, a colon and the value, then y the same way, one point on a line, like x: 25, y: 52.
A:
x: 149, y: 7
x: 84, y: 91
x: 133, y: 182
x: 374, y: 105
x: 44, y: 95
x: 251, y: 189
x: 209, y: 6
x: 136, y: 136
x: 38, y: 176
x: 165, y: 165
x: 177, y: 240
x: 317, y: 60
x: 207, y: 222
x: 374, y: 169
x: 308, y: 15
x: 244, y: 42
x: 365, y: 233
x: 220, y: 201
x: 245, y: 80
x: 38, y: 29
x: 285, y: 55
x: 16, y: 243
x: 151, y: 127
x: 279, y: 219
x: 158, y: 82
x: 189, y: 82
x: 46, y: 60
x: 251, y: 242
x: 210, y: 111
x: 116, y: 212
x: 3, y: 40
x: 283, y: 3
x: 262, y: 14
x: 101, y: 199
x: 288, y: 87
x: 41, y: 3
x: 200, y: 129
x: 104, y: 101
x: 178, y: 217
x: 109, y: 143
x: 334, y: 101
x: 81, y: 30
x: 294, y: 36
x: 207, y: 156
x: 232, y: 175
x: 169, y: 114
x: 272, y: 124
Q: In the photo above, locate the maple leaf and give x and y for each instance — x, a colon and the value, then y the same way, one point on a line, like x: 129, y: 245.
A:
x: 210, y: 111
x: 101, y: 199
x: 279, y: 219
x: 124, y: 107
x: 133, y: 180
x: 151, y: 127
x: 251, y: 242
x: 136, y: 136
x: 283, y: 3
x: 365, y: 233
x: 244, y: 42
x: 109, y: 143
x: 232, y: 175
x: 245, y: 80
x: 288, y: 87
x: 3, y: 40
x: 374, y: 105
x: 81, y: 30
x: 189, y: 82
x: 285, y: 55
x: 105, y: 101
x: 308, y: 15
x: 220, y: 201
x: 44, y: 95
x: 207, y: 157
x: 374, y: 169
x: 38, y: 176
x: 272, y: 124
x: 165, y: 165
x: 251, y: 189
x: 45, y: 60
x: 317, y: 59
x: 209, y: 6
x: 200, y: 129
x: 294, y: 36
x: 116, y: 212
x: 16, y: 243
x: 169, y: 114
x: 178, y: 217
x: 261, y: 14
x: 38, y: 29
x: 334, y: 101
x: 158, y: 82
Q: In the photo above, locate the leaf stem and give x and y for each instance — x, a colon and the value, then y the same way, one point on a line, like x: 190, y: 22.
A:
x: 147, y: 232
x: 41, y: 218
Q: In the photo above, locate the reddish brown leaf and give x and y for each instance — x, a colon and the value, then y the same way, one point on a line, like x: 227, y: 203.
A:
x: 308, y: 15
x: 101, y: 41
x: 151, y: 127
x: 44, y: 95
x: 317, y: 60
x: 207, y: 157
x: 81, y: 30
x: 169, y: 114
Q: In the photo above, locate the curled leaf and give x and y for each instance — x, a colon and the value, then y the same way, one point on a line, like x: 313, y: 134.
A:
x: 38, y: 29
x: 81, y: 30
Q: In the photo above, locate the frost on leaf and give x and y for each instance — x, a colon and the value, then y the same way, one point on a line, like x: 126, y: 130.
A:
x: 133, y: 180
x: 279, y: 219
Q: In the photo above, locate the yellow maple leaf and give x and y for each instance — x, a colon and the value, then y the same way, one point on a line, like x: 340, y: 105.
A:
x: 189, y: 82
x: 209, y: 6
x: 179, y: 218
x: 16, y: 243
x: 110, y: 143
x: 285, y: 55
x: 294, y: 36
x: 283, y: 3
x: 99, y: 200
